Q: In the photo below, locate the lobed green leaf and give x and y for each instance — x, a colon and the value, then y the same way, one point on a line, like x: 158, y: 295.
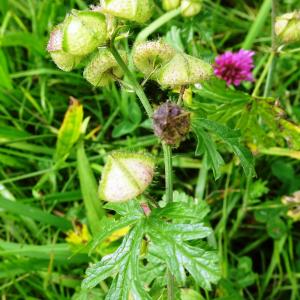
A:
x: 124, y: 262
x: 109, y: 226
x: 206, y: 144
x: 180, y: 257
x: 183, y: 211
x: 230, y: 137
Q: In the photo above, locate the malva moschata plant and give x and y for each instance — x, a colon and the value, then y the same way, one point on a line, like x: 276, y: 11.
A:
x: 166, y: 232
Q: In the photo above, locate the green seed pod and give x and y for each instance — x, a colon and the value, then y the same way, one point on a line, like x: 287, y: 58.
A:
x: 103, y: 68
x: 134, y: 10
x: 190, y: 8
x: 183, y: 69
x: 83, y: 32
x: 170, y: 4
x: 126, y: 176
x: 287, y: 27
x: 151, y: 55
x: 63, y: 60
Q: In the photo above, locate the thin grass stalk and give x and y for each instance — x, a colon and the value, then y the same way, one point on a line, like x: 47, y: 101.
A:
x: 272, y: 68
x: 165, y: 18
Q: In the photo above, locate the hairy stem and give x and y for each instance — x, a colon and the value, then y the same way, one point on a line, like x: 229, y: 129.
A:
x: 165, y: 18
x: 135, y: 85
x: 169, y: 197
x: 168, y: 172
x: 166, y: 149
x: 171, y: 285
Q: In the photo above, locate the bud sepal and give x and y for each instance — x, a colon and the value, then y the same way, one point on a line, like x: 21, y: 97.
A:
x: 170, y: 4
x: 103, y: 68
x: 64, y: 61
x: 126, y: 176
x: 183, y: 69
x: 151, y: 55
x: 83, y: 32
x: 287, y: 27
x: 190, y: 8
x: 139, y: 11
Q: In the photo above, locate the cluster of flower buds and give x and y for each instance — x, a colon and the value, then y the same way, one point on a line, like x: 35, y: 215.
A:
x: 170, y: 68
x: 188, y: 8
x: 79, y: 35
x: 78, y: 39
x: 287, y: 27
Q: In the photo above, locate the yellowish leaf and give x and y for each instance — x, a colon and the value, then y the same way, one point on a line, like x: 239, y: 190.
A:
x: 69, y: 131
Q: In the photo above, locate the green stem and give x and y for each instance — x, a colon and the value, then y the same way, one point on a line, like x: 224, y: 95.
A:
x: 166, y: 149
x: 171, y: 285
x: 274, y: 52
x: 168, y: 172
x: 270, y: 78
x: 242, y: 212
x: 165, y: 18
x: 135, y: 85
x: 169, y: 197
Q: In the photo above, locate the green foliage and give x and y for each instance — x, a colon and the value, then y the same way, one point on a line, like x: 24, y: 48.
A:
x: 169, y: 242
x: 276, y: 228
x: 124, y: 262
x: 243, y: 275
x: 35, y: 214
x: 89, y: 190
x: 227, y: 135
x: 49, y: 170
x: 180, y: 257
x: 108, y: 226
x: 70, y: 129
x: 207, y: 146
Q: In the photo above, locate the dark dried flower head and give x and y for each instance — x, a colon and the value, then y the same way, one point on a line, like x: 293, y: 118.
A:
x: 171, y: 123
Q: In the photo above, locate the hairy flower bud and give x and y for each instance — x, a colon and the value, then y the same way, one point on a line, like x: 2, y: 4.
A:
x: 126, y: 176
x: 190, y: 8
x: 103, y: 68
x: 287, y: 27
x: 293, y: 202
x: 83, y: 32
x: 183, y: 69
x: 171, y: 123
x: 63, y: 60
x: 134, y: 10
x: 170, y: 4
x: 151, y: 55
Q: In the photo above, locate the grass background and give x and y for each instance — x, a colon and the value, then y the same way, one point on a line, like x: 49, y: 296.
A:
x: 259, y: 245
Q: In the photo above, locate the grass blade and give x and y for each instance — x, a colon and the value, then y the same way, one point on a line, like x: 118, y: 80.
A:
x: 89, y: 190
x: 35, y: 214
